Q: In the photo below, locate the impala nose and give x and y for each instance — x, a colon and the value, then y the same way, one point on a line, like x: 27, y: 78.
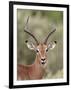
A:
x: 43, y: 60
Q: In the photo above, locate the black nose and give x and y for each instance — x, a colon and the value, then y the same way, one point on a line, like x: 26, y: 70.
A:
x: 43, y: 59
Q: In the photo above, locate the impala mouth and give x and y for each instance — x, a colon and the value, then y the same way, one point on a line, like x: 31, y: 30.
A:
x: 43, y: 62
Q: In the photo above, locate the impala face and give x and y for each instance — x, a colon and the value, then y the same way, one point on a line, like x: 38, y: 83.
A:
x: 41, y: 50
x: 42, y: 53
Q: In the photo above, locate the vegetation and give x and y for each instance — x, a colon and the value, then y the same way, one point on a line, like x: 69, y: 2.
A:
x: 40, y: 24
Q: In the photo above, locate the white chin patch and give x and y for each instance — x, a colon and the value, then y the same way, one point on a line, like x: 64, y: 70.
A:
x: 43, y: 62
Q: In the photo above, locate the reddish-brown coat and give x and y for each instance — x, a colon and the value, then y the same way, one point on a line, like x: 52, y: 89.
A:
x: 30, y: 72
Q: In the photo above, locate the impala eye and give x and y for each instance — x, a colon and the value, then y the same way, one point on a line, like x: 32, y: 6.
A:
x: 47, y: 50
x: 37, y: 50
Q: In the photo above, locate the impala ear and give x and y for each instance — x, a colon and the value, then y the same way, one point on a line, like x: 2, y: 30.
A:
x: 52, y: 45
x: 30, y: 45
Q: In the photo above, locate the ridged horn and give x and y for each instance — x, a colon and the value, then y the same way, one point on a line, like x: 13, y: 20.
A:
x: 26, y: 30
x: 45, y: 42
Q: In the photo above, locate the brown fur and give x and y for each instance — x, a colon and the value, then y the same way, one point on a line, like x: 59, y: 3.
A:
x: 36, y: 70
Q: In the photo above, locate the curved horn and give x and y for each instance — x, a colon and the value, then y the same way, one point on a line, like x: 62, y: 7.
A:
x: 45, y: 42
x: 25, y: 30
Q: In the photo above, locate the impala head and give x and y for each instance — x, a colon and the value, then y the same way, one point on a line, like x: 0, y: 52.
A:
x: 41, y: 49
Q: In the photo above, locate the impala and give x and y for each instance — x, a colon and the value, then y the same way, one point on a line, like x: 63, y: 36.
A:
x: 38, y: 69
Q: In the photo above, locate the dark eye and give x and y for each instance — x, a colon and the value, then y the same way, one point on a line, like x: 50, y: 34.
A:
x: 37, y: 50
x: 47, y: 50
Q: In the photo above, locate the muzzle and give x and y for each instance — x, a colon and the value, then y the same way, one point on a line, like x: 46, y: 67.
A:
x: 43, y: 61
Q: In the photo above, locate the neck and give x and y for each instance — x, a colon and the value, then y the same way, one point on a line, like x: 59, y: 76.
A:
x: 37, y: 61
x: 37, y: 71
x: 37, y: 64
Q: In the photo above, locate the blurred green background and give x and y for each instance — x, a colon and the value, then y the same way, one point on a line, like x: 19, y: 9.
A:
x: 40, y: 24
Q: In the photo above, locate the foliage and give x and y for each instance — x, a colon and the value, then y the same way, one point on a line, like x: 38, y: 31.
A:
x: 40, y: 24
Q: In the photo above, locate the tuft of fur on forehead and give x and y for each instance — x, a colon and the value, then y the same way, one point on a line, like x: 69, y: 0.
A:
x: 42, y: 46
